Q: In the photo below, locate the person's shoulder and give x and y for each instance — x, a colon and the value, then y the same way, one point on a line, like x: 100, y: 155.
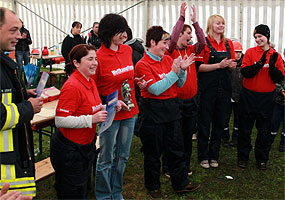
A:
x: 125, y: 47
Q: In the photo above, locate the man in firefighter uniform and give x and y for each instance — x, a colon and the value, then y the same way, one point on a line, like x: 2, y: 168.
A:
x: 16, y: 141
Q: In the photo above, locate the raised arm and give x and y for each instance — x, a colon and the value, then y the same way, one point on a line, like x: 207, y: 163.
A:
x: 177, y: 28
x: 201, y: 42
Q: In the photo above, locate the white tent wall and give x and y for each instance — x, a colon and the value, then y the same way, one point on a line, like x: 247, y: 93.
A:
x: 241, y: 16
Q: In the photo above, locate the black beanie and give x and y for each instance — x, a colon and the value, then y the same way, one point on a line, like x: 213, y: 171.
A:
x: 263, y: 30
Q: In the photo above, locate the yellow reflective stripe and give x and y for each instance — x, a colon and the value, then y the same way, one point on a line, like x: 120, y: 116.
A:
x: 12, y: 117
x: 18, y: 180
x: 13, y: 171
x: 10, y: 140
x: 3, y: 172
x: 8, y: 117
x: 27, y: 191
x: 2, y: 141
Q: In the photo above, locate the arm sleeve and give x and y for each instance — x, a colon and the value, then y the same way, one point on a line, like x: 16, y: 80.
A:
x: 182, y: 74
x: 161, y: 86
x: 83, y: 121
x: 275, y: 74
x: 251, y: 70
x: 65, y: 49
x: 15, y: 114
x: 29, y: 40
x: 200, y: 45
x: 175, y: 33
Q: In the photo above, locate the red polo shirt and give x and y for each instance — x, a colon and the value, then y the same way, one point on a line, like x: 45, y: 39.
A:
x: 262, y: 81
x: 221, y: 46
x: 189, y: 88
x: 114, y: 67
x: 78, y: 97
x: 155, y: 71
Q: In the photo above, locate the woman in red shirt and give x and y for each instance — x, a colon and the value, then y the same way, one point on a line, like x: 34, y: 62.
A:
x: 78, y: 111
x: 214, y: 80
x: 262, y: 67
x: 115, y: 66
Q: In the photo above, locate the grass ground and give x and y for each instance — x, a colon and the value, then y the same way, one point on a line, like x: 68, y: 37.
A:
x: 250, y: 183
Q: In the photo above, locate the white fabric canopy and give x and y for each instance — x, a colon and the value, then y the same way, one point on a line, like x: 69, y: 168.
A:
x: 241, y: 17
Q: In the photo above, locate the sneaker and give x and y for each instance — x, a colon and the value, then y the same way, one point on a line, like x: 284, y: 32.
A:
x: 155, y: 194
x: 190, y: 172
x: 194, y: 137
x: 226, y: 143
x: 261, y: 166
x: 242, y: 164
x: 233, y: 143
x: 167, y: 174
x: 190, y: 187
x: 214, y: 163
x: 205, y: 164
x: 281, y: 148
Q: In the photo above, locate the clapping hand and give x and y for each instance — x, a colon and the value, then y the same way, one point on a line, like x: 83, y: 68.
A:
x: 187, y: 61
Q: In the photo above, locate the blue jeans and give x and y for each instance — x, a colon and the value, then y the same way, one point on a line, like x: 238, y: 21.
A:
x: 20, y: 57
x: 115, y: 144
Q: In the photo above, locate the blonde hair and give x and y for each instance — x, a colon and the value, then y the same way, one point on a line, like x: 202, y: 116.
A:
x: 209, y: 30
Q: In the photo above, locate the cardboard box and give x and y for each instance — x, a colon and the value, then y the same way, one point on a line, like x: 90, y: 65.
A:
x: 50, y: 94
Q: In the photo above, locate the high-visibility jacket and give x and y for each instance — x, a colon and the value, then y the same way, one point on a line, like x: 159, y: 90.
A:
x: 16, y: 139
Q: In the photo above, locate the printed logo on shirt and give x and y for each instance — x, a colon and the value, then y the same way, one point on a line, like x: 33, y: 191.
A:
x: 161, y: 76
x: 122, y: 70
x: 63, y: 110
x: 96, y: 108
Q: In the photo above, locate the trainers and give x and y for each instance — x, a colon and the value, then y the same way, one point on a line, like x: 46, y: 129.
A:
x: 281, y: 148
x: 205, y: 164
x: 167, y: 174
x: 155, y: 194
x: 190, y: 172
x: 190, y: 187
x: 233, y: 143
x: 261, y: 166
x: 214, y: 163
x: 242, y: 164
x: 194, y: 137
x: 226, y: 143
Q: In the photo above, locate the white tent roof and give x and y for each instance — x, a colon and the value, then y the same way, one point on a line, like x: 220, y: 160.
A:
x: 49, y: 21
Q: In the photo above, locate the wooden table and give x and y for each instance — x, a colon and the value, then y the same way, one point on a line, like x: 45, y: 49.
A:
x: 44, y: 119
x: 49, y: 62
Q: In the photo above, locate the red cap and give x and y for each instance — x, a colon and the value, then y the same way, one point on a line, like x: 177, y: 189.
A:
x: 237, y: 46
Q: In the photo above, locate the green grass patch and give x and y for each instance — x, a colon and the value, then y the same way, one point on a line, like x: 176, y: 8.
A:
x: 249, y: 183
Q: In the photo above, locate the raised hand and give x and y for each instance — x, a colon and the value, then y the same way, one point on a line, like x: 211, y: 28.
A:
x: 122, y: 106
x: 262, y: 60
x: 99, y: 116
x: 193, y: 14
x: 187, y: 61
x: 273, y: 59
x: 176, y: 65
x: 232, y: 64
x: 183, y: 8
x: 141, y: 82
x: 37, y: 104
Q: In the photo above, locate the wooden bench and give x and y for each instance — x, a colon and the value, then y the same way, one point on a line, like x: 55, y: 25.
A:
x: 60, y: 76
x: 43, y: 169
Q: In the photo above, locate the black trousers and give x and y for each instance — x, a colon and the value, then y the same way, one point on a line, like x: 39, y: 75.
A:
x: 72, y: 164
x: 214, y: 107
x: 161, y: 133
x: 255, y: 108
x: 189, y: 112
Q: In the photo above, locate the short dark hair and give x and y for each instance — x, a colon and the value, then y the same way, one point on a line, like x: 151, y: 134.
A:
x: 95, y: 23
x: 76, y: 23
x: 129, y: 34
x: 2, y: 15
x: 154, y: 33
x: 76, y: 53
x: 185, y: 26
x: 109, y: 26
